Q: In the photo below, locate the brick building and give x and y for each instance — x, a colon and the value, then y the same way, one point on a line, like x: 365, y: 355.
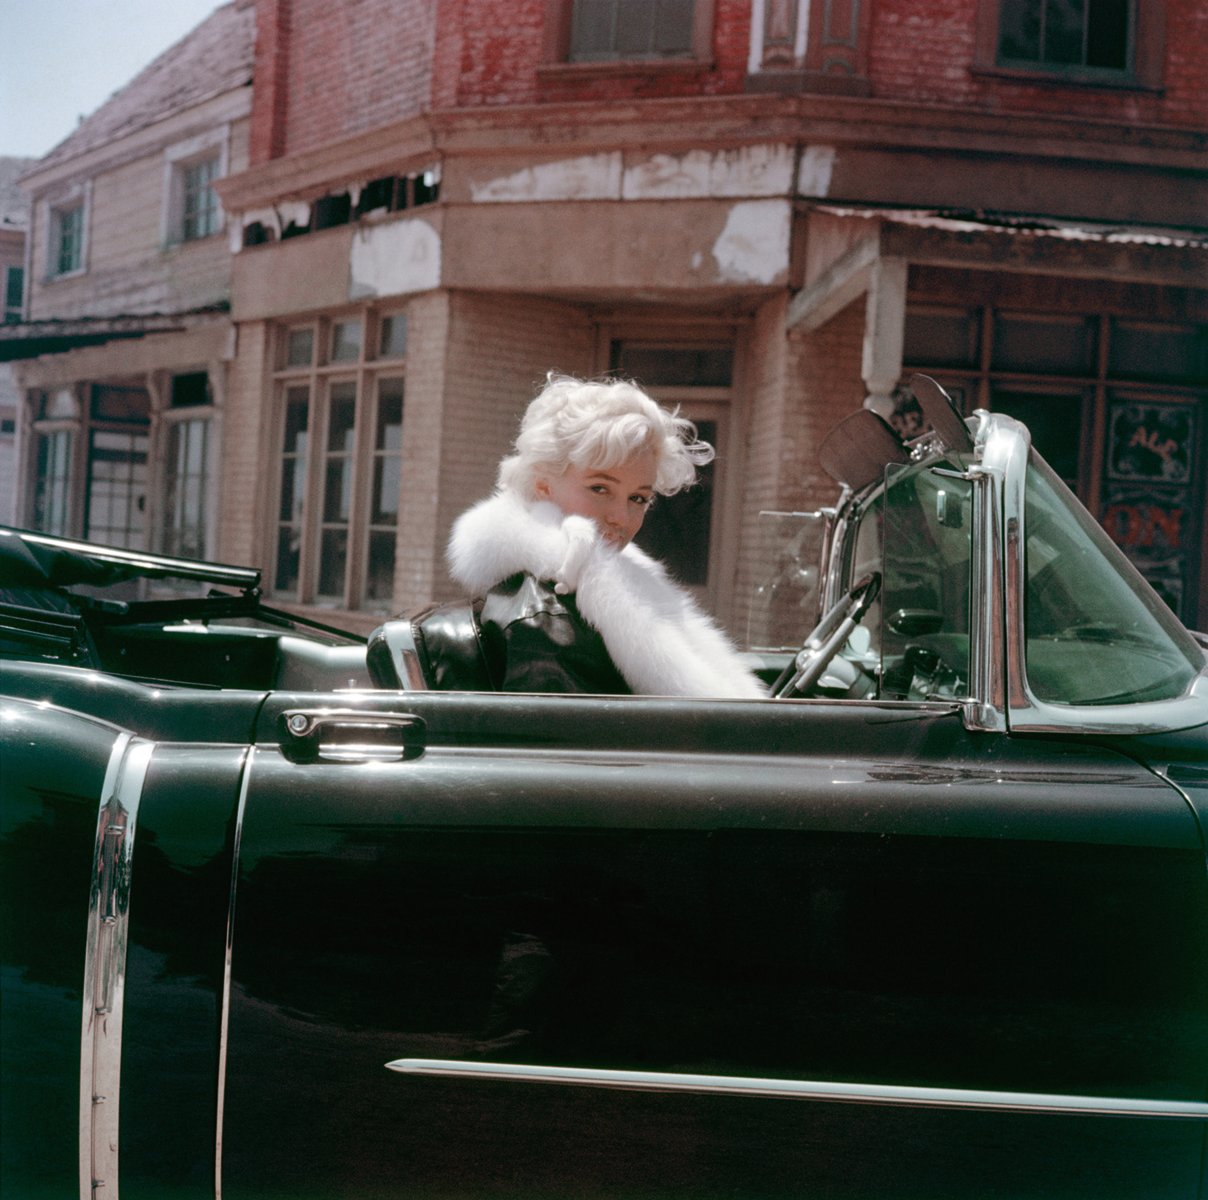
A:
x: 767, y: 211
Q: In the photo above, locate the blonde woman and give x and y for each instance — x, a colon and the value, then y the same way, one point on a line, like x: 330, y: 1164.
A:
x: 569, y: 604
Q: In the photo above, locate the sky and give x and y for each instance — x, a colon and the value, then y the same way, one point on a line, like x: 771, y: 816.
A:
x: 62, y: 59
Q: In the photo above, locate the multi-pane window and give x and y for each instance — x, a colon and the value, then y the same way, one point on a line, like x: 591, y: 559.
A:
x: 1056, y: 34
x: 52, y: 482
x: 1116, y: 406
x: 340, y: 419
x: 119, y: 441
x: 187, y: 473
x: 105, y: 471
x: 67, y: 240
x: 603, y: 30
x: 14, y: 293
x: 199, y: 209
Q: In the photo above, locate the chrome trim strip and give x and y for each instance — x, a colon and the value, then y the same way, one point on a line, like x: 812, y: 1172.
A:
x: 105, y: 966
x: 224, y: 1019
x: 806, y: 1089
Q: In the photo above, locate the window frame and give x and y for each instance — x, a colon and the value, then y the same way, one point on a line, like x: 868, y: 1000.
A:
x: 13, y: 313
x: 68, y: 409
x: 318, y: 379
x: 75, y: 199
x: 169, y: 419
x: 983, y: 383
x: 179, y: 160
x: 1144, y: 72
x: 556, y: 44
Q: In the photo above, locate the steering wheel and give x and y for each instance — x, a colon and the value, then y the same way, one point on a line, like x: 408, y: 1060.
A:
x: 827, y: 637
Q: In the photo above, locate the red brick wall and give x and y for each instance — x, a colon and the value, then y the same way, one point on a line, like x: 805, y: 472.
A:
x: 326, y: 70
x: 923, y: 50
x: 497, y: 46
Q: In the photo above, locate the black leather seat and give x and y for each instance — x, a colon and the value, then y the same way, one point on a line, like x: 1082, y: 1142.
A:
x: 437, y: 648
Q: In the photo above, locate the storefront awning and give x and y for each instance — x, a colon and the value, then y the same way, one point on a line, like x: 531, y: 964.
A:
x: 857, y: 241
x: 32, y: 339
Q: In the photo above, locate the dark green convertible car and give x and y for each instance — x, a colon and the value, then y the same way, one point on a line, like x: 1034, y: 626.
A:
x: 280, y: 919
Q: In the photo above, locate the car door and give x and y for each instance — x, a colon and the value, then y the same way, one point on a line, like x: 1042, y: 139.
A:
x: 550, y: 946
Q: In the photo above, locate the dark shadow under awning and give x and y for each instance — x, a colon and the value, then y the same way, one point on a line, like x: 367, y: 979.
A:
x: 33, y: 339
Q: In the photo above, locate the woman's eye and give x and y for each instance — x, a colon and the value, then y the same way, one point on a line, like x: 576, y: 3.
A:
x: 642, y: 501
x: 599, y: 489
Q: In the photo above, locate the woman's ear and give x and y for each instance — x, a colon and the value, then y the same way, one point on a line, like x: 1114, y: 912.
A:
x: 541, y: 488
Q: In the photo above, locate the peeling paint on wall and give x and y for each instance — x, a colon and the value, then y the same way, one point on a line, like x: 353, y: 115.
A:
x: 394, y: 259
x: 754, y: 245
x: 591, y: 177
x: 814, y: 175
x: 696, y: 174
x: 749, y: 171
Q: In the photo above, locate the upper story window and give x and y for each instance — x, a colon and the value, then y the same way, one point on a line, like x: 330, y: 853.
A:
x: 584, y: 32
x: 1084, y: 41
x: 191, y: 208
x: 613, y: 29
x: 66, y: 239
x: 199, y: 209
x: 1069, y: 33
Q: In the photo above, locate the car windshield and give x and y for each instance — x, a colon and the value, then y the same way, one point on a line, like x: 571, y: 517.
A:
x: 1096, y: 632
x: 917, y: 535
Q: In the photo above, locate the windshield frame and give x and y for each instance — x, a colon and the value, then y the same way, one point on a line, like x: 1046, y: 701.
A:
x: 1007, y: 455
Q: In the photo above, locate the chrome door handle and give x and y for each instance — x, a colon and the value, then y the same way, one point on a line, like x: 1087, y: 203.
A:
x: 351, y: 735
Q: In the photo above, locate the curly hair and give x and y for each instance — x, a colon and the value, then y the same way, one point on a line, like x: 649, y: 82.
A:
x: 598, y: 424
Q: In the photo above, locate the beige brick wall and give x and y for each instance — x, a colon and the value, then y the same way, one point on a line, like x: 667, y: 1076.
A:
x: 799, y: 386
x: 246, y: 451
x: 415, y: 563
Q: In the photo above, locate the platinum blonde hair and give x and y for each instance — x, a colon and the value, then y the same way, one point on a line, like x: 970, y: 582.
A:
x: 599, y: 424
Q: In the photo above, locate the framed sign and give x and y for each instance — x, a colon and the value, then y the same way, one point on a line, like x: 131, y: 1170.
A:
x: 1150, y: 441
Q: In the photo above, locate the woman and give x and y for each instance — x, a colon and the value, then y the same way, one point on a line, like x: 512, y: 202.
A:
x: 570, y: 604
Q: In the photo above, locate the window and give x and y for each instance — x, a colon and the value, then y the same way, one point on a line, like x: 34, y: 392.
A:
x: 199, y: 209
x: 92, y: 462
x: 67, y: 240
x: 52, y: 484
x: 187, y: 467
x: 610, y: 29
x: 340, y: 423
x: 14, y: 293
x: 191, y: 208
x: 1089, y: 41
x: 648, y: 31
x: 1075, y: 33
x: 1115, y: 406
x: 119, y: 443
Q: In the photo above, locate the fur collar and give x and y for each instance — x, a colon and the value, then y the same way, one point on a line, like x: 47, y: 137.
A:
x: 660, y: 640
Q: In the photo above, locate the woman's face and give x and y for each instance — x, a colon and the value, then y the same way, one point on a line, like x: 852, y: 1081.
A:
x: 615, y: 498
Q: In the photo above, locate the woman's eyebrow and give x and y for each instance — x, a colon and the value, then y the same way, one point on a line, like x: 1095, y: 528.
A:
x: 641, y: 487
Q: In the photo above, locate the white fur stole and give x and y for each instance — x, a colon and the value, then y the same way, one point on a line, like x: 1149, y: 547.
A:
x: 660, y: 640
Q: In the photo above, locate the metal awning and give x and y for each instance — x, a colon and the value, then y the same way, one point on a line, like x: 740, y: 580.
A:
x: 878, y: 238
x: 32, y: 339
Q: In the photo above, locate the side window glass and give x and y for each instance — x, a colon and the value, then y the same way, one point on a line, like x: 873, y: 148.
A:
x: 923, y: 613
